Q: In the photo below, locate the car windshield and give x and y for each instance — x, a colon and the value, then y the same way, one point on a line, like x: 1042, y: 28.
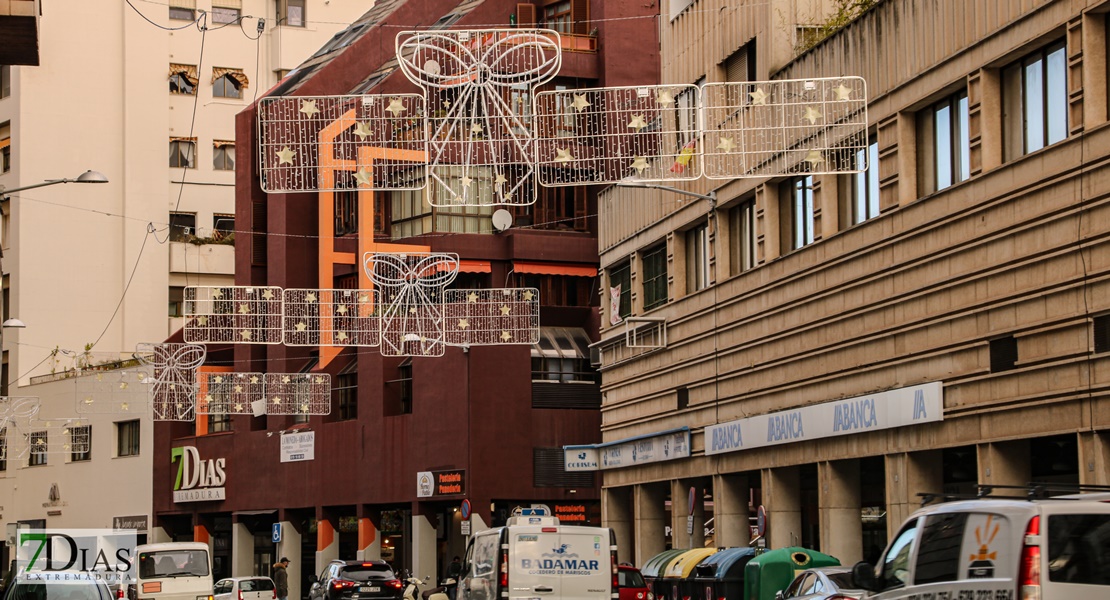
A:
x: 173, y: 563
x: 256, y: 585
x: 842, y: 581
x: 630, y: 579
x: 367, y: 572
x: 57, y: 591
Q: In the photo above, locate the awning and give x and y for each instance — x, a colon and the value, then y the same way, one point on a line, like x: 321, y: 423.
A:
x: 4, y: 143
x: 188, y: 71
x: 175, y: 138
x: 570, y: 270
x: 475, y: 266
x: 222, y: 143
x: 236, y: 74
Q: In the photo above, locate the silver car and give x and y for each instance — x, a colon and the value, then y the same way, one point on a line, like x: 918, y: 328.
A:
x: 256, y: 587
x: 824, y: 583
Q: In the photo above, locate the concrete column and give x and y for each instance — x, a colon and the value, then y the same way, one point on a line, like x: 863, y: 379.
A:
x: 1094, y: 70
x: 424, y: 548
x: 839, y: 510
x: 680, y: 513
x: 730, y: 510
x: 290, y: 547
x: 158, y: 535
x: 242, y: 550
x: 327, y: 545
x: 649, y: 536
x: 477, y: 523
x: 369, y: 542
x: 1004, y: 463
x: 1094, y: 458
x: 908, y: 474
x: 782, y: 500
x: 616, y: 514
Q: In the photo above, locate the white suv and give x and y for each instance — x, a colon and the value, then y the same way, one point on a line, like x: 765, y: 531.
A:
x: 997, y: 549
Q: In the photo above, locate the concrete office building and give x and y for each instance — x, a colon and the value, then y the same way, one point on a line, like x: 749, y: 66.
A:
x: 815, y: 326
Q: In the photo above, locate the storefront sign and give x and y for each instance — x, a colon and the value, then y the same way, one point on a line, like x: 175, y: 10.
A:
x: 138, y: 523
x: 884, y: 410
x: 430, y: 484
x: 570, y: 513
x: 580, y: 458
x: 198, y: 480
x: 298, y: 446
x: 653, y: 447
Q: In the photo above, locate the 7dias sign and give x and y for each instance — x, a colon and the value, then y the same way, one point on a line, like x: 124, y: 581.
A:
x: 198, y: 480
x: 75, y: 555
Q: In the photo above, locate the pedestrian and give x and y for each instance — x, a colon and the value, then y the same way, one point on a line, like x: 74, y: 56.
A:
x: 281, y: 578
x: 454, y: 572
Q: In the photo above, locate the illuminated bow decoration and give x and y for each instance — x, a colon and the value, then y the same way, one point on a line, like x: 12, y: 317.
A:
x: 174, y: 393
x: 14, y: 411
x: 412, y: 296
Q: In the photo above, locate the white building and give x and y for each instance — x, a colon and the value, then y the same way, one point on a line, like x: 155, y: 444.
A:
x: 119, y: 83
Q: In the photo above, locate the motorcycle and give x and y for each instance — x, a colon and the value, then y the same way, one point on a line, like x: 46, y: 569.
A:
x: 441, y: 592
x: 412, y: 587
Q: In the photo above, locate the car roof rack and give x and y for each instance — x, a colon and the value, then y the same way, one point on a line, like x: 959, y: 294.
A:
x: 1034, y: 490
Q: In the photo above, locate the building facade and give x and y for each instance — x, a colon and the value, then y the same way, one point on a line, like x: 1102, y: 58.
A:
x: 485, y: 424
x: 936, y: 322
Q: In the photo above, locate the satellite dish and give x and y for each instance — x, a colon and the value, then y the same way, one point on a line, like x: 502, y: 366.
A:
x: 502, y: 219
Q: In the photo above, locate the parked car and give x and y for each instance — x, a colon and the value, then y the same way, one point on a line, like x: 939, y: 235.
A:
x: 245, y: 588
x: 356, y: 580
x: 632, y: 584
x: 822, y: 583
x: 82, y: 588
x: 1052, y: 548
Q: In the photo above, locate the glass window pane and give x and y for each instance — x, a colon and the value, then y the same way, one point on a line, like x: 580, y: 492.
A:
x: 1033, y: 92
x: 963, y: 143
x: 1057, y: 92
x: 942, y: 119
x: 873, y: 179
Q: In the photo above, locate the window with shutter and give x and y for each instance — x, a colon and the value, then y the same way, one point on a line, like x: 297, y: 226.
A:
x: 548, y: 470
x: 526, y: 15
x: 258, y: 235
x: 580, y: 16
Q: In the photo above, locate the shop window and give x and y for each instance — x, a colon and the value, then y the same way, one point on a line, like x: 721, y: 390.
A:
x: 741, y: 221
x: 798, y: 193
x: 183, y: 152
x: 1035, y: 101
x: 697, y: 258
x: 127, y: 438
x: 944, y: 152
x: 182, y: 226
x: 654, y: 263
x: 223, y: 155
x: 619, y: 299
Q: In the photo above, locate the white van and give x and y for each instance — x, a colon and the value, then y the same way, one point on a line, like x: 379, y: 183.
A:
x: 172, y: 571
x: 997, y: 549
x: 534, y: 557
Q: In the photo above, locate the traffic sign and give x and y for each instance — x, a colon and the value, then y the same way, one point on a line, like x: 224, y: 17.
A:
x: 466, y: 527
x: 690, y: 501
x: 761, y: 521
x: 464, y: 508
x: 277, y: 532
x: 690, y: 525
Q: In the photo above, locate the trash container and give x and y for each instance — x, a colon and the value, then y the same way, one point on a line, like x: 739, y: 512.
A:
x: 678, y: 579
x: 774, y: 570
x: 721, y: 576
x: 654, y: 568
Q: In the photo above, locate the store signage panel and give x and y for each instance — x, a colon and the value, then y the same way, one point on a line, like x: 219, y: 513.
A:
x: 580, y: 458
x: 430, y: 484
x: 648, y: 449
x: 885, y: 410
x: 198, y: 479
x: 299, y: 446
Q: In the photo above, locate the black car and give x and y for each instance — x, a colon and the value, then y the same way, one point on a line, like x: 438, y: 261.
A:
x: 356, y: 580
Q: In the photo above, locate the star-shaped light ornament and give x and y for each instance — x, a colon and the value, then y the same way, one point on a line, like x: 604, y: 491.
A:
x: 362, y: 130
x: 472, y: 297
x: 505, y: 310
x: 285, y: 157
x: 365, y: 177
x: 301, y: 326
x: 465, y: 181
x: 267, y: 294
x: 812, y: 115
x: 726, y: 144
x: 308, y: 107
x: 364, y: 298
x: 238, y: 389
x: 319, y: 379
x: 244, y: 309
x: 218, y: 379
x: 310, y: 297
x: 245, y: 334
x: 286, y: 379
x: 217, y: 293
x: 759, y: 97
x: 528, y: 295
x: 842, y: 92
x: 640, y: 164
x: 476, y: 128
x: 238, y: 408
x: 123, y: 385
x: 563, y: 155
x: 464, y: 323
x: 500, y: 180
x: 580, y: 103
x: 277, y: 401
x: 396, y: 107
x: 664, y: 98
x: 341, y: 336
x: 637, y: 122
x: 125, y: 406
x: 814, y: 159
x: 254, y: 378
x: 506, y: 336
x: 202, y: 320
x: 341, y: 309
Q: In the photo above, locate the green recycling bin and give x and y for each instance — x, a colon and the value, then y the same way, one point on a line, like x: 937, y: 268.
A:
x: 774, y: 570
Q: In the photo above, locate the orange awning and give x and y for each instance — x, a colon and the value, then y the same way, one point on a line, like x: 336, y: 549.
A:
x: 475, y: 266
x: 566, y: 269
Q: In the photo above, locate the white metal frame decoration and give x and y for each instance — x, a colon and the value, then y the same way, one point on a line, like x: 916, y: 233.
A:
x: 233, y: 314
x: 490, y: 317
x: 43, y: 435
x: 229, y: 393
x: 793, y: 126
x: 331, y: 317
x: 605, y: 135
x: 411, y: 288
x: 118, y: 391
x: 174, y: 391
x: 478, y: 85
x: 335, y: 143
x: 17, y: 413
x: 297, y: 393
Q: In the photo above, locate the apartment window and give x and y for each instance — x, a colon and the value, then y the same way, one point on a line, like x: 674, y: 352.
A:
x: 183, y: 10
x: 80, y: 441
x: 619, y: 300
x: 865, y: 184
x: 5, y: 149
x: 183, y: 79
x: 4, y: 448
x: 1003, y: 354
x: 944, y: 150
x: 741, y: 222
x: 182, y: 226
x: 223, y: 155
x: 799, y: 194
x: 127, y: 438
x: 1035, y: 101
x: 177, y: 301
x: 562, y: 354
x: 557, y: 16
x: 686, y: 103
x: 182, y: 152
x: 40, y: 442
x: 224, y: 14
x: 740, y: 65
x: 1101, y: 326
x: 346, y: 212
x: 346, y: 391
x: 291, y: 12
x: 404, y: 386
x: 697, y: 258
x: 654, y: 263
x: 223, y: 225
x: 5, y: 81
x: 228, y: 83
x: 219, y: 422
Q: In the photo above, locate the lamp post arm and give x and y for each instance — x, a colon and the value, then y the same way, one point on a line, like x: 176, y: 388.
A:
x: 711, y: 197
x: 4, y: 192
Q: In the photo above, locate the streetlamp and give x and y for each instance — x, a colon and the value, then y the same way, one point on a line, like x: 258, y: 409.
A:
x: 89, y: 176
